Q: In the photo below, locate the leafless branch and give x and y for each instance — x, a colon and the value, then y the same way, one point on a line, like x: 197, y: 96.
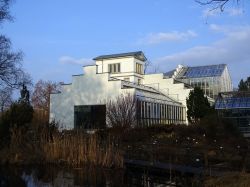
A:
x: 41, y: 96
x: 217, y: 4
x: 5, y: 98
x: 11, y: 72
x: 4, y: 10
x: 122, y: 111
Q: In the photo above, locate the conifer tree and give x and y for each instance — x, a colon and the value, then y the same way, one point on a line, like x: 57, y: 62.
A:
x: 197, y: 105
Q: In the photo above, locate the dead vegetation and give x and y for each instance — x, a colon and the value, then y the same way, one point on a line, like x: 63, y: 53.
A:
x: 46, y: 145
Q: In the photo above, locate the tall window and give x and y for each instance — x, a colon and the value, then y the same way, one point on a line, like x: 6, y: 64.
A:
x: 139, y: 68
x: 115, y: 68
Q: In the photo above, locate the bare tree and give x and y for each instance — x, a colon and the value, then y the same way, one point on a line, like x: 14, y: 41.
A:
x: 11, y: 72
x: 122, y: 111
x: 4, y: 10
x: 146, y: 66
x: 216, y: 4
x: 5, y: 98
x: 10, y: 65
x: 41, y: 95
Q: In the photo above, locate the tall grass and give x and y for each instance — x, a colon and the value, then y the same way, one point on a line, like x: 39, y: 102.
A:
x: 230, y: 180
x: 45, y: 144
x: 77, y: 148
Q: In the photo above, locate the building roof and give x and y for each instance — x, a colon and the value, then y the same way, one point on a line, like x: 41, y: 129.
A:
x: 197, y: 71
x: 137, y: 54
x: 204, y: 71
x: 233, y: 100
x: 169, y: 73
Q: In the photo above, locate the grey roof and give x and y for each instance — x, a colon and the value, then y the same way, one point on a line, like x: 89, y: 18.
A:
x: 137, y: 54
x: 233, y: 100
x: 169, y: 73
x: 204, y: 71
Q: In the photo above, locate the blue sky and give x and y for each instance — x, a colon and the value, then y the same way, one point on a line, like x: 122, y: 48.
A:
x: 58, y: 37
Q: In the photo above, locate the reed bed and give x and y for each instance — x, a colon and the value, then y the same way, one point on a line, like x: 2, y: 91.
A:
x: 230, y: 180
x: 47, y: 145
x: 78, y: 148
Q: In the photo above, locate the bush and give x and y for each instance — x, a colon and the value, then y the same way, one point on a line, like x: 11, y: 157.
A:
x: 216, y: 127
x: 121, y: 113
x: 19, y: 115
x: 4, y: 130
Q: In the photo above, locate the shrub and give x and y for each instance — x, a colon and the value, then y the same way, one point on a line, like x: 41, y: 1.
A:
x: 19, y: 115
x: 197, y: 105
x: 215, y: 126
x: 121, y: 113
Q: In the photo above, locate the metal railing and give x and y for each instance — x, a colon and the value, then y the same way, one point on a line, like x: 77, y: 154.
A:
x: 135, y: 85
x: 142, y: 87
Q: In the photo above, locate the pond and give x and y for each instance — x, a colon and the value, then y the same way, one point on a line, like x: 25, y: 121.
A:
x: 51, y: 176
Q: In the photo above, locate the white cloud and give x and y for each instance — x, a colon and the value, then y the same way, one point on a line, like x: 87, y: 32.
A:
x: 210, y: 13
x: 239, y: 32
x: 234, y: 11
x: 233, y: 49
x: 71, y: 60
x: 228, y: 11
x: 217, y: 28
x: 155, y: 38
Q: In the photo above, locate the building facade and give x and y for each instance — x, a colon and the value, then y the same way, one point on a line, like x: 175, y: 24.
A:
x: 235, y: 106
x: 211, y: 79
x: 82, y: 104
x: 161, y: 97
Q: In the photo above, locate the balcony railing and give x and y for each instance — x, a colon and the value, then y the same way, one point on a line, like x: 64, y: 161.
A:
x: 127, y: 84
x: 139, y: 86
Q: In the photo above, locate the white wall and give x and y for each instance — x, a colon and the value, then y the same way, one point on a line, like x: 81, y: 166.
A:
x: 127, y: 64
x: 167, y: 86
x: 127, y: 68
x: 87, y: 89
x: 95, y: 87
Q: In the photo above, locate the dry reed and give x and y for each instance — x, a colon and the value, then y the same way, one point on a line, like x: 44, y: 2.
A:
x: 78, y: 148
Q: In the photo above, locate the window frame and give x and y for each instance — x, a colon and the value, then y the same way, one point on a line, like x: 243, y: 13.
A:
x: 114, y: 68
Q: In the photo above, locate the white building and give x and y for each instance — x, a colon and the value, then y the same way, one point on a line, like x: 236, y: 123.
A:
x: 82, y: 103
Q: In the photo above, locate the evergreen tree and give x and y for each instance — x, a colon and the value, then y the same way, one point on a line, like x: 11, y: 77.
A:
x: 242, y: 85
x: 20, y: 113
x: 197, y: 105
x: 248, y: 83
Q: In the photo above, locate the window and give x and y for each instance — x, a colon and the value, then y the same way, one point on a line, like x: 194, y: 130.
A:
x: 115, y: 68
x: 89, y: 116
x: 127, y: 79
x: 139, y: 68
x: 139, y: 81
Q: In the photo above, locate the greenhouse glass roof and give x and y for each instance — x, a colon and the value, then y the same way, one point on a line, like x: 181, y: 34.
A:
x: 205, y: 71
x: 233, y: 100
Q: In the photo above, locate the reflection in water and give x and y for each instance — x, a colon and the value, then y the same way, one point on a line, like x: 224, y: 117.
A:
x: 91, y: 177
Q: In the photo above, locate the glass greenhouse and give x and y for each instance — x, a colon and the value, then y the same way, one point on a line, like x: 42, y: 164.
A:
x: 236, y: 107
x: 212, y: 79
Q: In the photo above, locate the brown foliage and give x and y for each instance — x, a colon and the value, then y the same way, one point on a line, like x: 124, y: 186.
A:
x: 41, y: 95
x: 44, y: 144
x: 77, y: 148
x: 122, y: 111
x: 230, y: 180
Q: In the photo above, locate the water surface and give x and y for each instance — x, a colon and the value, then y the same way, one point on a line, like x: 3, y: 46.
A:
x: 51, y: 176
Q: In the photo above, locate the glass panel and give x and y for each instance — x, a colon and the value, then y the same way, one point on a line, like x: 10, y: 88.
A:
x: 90, y: 116
x: 205, y: 71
